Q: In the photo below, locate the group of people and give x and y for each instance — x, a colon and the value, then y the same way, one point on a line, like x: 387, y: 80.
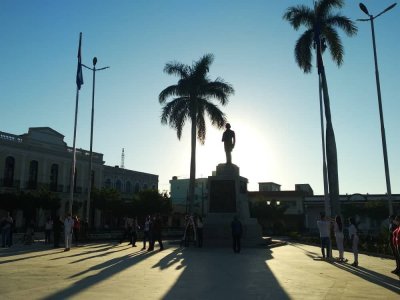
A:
x: 394, y: 240
x: 152, y: 232
x: 325, y: 225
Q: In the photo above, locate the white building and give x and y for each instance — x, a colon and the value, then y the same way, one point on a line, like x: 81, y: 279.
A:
x: 41, y: 159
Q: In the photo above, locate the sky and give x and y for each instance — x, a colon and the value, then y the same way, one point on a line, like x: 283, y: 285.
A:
x: 274, y: 111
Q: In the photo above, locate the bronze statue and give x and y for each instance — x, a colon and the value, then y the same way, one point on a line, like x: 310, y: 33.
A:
x: 229, y: 142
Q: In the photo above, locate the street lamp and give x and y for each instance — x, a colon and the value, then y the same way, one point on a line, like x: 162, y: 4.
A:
x: 378, y: 86
x: 91, y: 135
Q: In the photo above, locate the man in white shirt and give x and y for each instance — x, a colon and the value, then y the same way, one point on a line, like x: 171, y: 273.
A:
x: 68, y: 230
x: 324, y: 227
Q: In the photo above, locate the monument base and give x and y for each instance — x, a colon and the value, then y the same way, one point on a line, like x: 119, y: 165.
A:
x: 227, y: 198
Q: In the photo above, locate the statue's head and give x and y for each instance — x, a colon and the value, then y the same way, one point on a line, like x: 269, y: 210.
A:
x: 228, y: 126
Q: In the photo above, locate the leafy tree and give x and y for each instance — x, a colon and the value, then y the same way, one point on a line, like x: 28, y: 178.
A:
x: 321, y: 23
x: 191, y: 100
x: 150, y: 202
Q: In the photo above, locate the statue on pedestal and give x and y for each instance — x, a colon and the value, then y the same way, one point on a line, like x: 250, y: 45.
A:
x: 229, y: 140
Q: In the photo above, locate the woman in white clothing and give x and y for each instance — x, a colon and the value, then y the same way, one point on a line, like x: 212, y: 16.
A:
x: 338, y: 228
x: 354, y: 240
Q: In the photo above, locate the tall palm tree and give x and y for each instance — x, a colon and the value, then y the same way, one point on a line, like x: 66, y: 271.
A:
x: 321, y: 34
x: 191, y: 99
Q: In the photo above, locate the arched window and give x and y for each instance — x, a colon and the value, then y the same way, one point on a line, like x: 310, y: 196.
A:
x: 128, y: 187
x: 137, y: 188
x: 118, y: 185
x: 9, y: 171
x: 54, y: 177
x: 108, y: 183
x: 145, y: 186
x: 33, y: 174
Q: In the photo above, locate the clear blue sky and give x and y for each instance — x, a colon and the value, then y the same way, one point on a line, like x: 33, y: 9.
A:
x: 274, y: 112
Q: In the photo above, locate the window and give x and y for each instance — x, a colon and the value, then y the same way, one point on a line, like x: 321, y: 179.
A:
x: 33, y: 174
x: 108, y: 183
x: 128, y: 187
x: 9, y: 171
x: 145, y: 186
x: 54, y: 177
x: 118, y: 185
x: 137, y: 187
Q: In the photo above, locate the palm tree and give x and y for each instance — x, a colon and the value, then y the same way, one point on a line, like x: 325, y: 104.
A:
x: 321, y: 23
x: 191, y: 99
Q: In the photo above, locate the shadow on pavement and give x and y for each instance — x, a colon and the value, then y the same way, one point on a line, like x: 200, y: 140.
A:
x: 107, y: 270
x: 371, y: 276
x: 218, y: 273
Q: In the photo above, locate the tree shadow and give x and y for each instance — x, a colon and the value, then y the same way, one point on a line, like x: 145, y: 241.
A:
x: 108, y: 269
x: 218, y: 273
x: 371, y: 276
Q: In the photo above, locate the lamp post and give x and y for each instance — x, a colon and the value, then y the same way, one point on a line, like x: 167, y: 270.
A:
x: 91, y: 136
x: 378, y: 86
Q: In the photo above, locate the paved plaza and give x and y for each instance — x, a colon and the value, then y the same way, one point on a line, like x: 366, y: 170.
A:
x: 119, y: 271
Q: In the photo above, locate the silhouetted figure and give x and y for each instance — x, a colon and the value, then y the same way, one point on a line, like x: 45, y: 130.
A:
x: 353, y: 235
x: 57, y: 228
x: 393, y: 225
x: 134, y: 230
x: 48, y: 227
x: 68, y: 231
x: 324, y: 227
x: 396, y: 244
x: 6, y: 230
x: 338, y: 228
x: 237, y: 231
x: 229, y: 140
x: 146, y: 232
x: 156, y: 230
x: 199, y: 228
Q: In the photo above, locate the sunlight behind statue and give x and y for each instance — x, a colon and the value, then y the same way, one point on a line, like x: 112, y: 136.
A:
x: 229, y: 140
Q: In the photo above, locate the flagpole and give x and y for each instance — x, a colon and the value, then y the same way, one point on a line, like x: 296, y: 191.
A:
x: 79, y: 82
x: 72, y: 183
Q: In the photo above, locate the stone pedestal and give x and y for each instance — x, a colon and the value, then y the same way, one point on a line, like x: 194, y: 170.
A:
x: 227, y: 197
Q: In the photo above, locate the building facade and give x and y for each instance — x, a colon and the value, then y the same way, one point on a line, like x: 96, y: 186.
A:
x: 41, y: 159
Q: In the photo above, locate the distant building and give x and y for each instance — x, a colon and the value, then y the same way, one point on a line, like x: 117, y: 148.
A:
x: 41, y: 159
x: 302, y: 207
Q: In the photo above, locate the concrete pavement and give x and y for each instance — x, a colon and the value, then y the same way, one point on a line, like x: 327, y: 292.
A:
x: 116, y: 271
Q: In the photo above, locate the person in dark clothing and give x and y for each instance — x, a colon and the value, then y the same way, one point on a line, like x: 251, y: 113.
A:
x: 156, y: 229
x: 199, y: 228
x: 134, y: 230
x: 392, y: 227
x: 57, y: 228
x: 237, y: 231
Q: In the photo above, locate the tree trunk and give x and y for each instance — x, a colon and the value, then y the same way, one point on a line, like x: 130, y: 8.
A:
x: 192, y: 180
x: 331, y: 153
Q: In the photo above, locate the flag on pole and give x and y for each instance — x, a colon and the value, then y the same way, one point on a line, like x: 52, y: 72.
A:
x: 79, y: 76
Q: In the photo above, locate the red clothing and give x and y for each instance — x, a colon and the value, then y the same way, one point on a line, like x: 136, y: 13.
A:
x: 396, y: 237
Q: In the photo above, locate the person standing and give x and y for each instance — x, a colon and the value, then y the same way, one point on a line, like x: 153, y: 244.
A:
x: 6, y: 230
x: 237, y: 231
x: 338, y: 228
x: 156, y: 230
x: 146, y: 232
x: 395, y: 242
x: 77, y: 229
x: 48, y: 227
x: 324, y: 227
x: 68, y: 231
x: 134, y: 230
x: 354, y: 240
x: 199, y: 226
x: 392, y: 240
x: 57, y: 227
